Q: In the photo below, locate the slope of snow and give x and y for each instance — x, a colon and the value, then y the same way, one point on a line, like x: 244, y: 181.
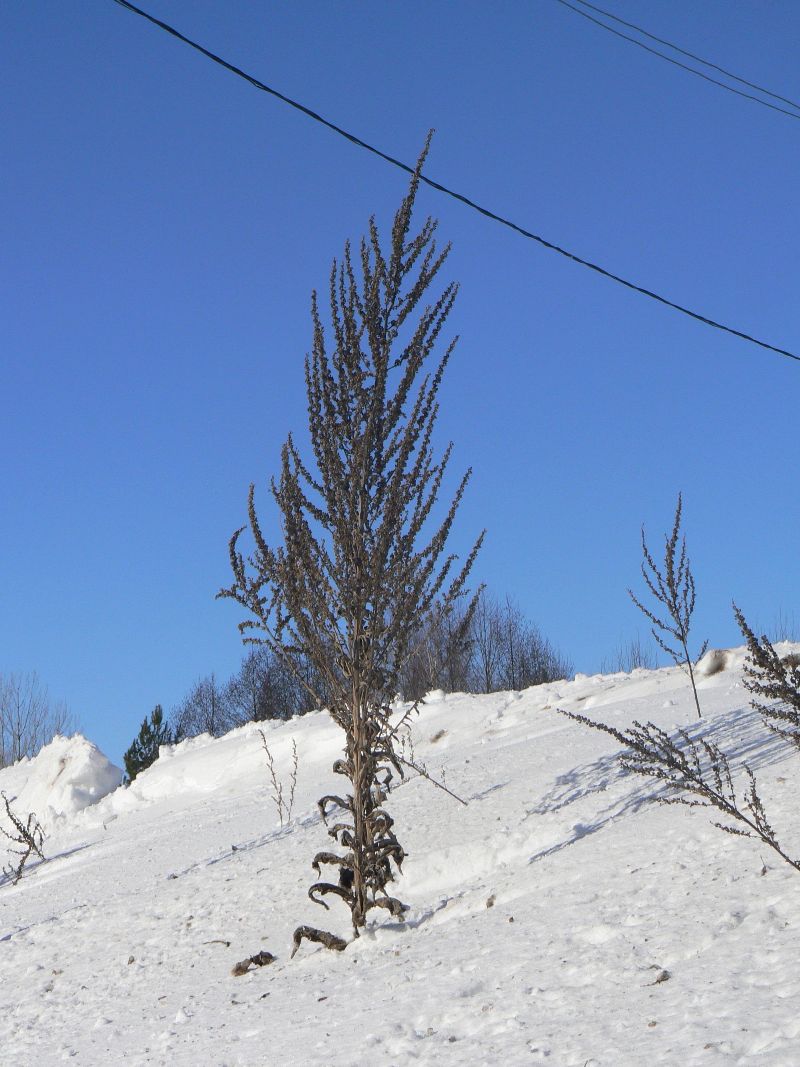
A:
x: 560, y: 918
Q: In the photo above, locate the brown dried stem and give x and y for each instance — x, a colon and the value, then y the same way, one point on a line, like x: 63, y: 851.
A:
x: 28, y: 835
x: 283, y: 805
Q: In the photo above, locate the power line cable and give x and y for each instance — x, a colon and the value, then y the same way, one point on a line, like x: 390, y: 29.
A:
x: 676, y: 62
x: 450, y: 192
x: 689, y: 55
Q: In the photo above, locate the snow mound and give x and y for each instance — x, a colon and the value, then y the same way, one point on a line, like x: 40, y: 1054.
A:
x: 716, y: 660
x: 733, y: 659
x: 67, y: 775
x: 435, y: 696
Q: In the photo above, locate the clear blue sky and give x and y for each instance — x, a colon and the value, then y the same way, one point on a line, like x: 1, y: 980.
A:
x: 163, y: 226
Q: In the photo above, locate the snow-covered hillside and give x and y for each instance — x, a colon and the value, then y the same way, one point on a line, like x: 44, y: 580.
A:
x: 561, y: 918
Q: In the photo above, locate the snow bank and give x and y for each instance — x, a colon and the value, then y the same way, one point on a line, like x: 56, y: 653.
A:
x: 227, y: 766
x: 67, y: 775
x: 733, y: 659
x: 198, y: 765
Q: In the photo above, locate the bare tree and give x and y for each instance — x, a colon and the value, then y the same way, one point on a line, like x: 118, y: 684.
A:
x: 784, y: 627
x: 510, y: 651
x: 440, y: 654
x: 28, y: 718
x: 674, y: 590
x: 204, y: 710
x: 264, y: 689
x: 487, y: 635
x: 361, y: 564
x: 629, y: 657
x: 491, y: 648
x: 455, y: 646
x: 526, y: 656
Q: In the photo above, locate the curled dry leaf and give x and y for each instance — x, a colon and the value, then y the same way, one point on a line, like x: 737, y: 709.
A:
x: 261, y: 959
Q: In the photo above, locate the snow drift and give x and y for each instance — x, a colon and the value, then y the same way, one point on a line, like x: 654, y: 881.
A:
x: 67, y: 775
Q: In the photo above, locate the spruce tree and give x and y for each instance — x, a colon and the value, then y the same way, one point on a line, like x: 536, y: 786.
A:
x: 144, y: 749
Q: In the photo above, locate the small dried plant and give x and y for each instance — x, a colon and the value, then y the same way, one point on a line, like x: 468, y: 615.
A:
x: 695, y: 767
x: 362, y: 558
x: 29, y: 836
x: 283, y: 801
x: 774, y: 680
x: 407, y: 756
x: 674, y: 589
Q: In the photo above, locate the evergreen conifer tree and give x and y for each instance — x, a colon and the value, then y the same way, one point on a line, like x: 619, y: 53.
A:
x: 144, y: 749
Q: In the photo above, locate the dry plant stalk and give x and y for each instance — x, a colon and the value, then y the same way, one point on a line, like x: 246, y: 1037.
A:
x: 28, y: 835
x: 284, y: 806
x: 674, y: 590
x: 772, y: 679
x: 695, y: 767
x: 408, y: 758
x: 361, y: 564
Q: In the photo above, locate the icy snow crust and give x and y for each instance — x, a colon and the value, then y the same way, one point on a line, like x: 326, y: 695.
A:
x: 621, y: 933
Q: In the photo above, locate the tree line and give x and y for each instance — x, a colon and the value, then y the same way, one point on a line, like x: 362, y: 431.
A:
x: 492, y: 648
x: 29, y: 717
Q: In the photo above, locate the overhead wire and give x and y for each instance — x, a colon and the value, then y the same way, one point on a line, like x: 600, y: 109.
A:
x: 689, y: 55
x: 486, y: 212
x: 677, y: 62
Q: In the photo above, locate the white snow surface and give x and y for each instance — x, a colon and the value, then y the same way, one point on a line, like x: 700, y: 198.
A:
x: 560, y: 919
x: 68, y: 775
